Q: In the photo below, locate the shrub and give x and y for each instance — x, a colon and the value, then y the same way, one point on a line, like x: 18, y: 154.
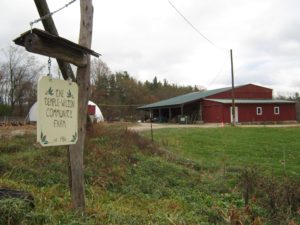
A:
x: 4, y: 166
x: 278, y: 196
x: 248, y: 180
x: 281, y: 196
x: 5, y: 110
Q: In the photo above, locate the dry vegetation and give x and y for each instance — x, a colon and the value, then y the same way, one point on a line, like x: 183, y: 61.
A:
x: 130, y: 180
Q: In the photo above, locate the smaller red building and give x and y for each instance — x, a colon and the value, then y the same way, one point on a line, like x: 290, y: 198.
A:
x: 253, y: 103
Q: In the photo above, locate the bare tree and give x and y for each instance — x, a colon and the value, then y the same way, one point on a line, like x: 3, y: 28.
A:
x: 98, y: 69
x: 18, y: 77
x: 99, y: 74
x: 3, y: 88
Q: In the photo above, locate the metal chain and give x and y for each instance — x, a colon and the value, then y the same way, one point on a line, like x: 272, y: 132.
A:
x: 68, y: 74
x: 51, y: 13
x: 49, y: 67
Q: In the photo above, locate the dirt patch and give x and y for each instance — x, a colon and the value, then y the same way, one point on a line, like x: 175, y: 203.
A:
x: 10, y: 131
x: 147, y: 126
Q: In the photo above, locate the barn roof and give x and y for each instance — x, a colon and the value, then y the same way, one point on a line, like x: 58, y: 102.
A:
x: 194, y: 96
x: 253, y: 101
x: 182, y: 99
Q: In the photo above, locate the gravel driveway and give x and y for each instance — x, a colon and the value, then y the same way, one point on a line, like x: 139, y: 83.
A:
x: 147, y: 126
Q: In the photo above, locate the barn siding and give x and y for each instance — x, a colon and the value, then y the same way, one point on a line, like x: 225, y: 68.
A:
x: 247, y: 113
x: 215, y: 112
x: 212, y: 112
x: 249, y: 91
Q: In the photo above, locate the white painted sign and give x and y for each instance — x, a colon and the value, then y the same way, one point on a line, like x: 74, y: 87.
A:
x: 57, y: 112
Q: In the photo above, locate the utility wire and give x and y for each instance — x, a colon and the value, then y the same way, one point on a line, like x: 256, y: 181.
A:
x: 194, y: 28
x: 133, y: 105
x: 219, y: 72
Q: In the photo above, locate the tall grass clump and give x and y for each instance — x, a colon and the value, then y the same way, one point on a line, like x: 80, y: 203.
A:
x: 13, y: 211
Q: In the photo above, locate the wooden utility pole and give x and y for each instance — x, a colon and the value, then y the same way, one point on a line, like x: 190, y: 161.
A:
x: 151, y: 128
x: 232, y: 91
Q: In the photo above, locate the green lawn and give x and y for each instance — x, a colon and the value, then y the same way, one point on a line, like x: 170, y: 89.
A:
x: 267, y: 148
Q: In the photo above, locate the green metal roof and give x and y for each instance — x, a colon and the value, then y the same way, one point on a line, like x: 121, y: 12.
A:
x: 182, y: 99
x: 194, y: 96
x: 251, y: 101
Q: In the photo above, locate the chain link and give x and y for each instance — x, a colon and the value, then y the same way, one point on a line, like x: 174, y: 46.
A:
x: 51, y: 13
x: 49, y: 67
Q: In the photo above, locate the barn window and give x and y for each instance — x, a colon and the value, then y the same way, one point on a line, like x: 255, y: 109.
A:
x: 258, y: 110
x: 276, y: 110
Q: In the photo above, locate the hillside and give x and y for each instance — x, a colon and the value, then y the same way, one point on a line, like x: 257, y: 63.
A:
x: 130, y: 180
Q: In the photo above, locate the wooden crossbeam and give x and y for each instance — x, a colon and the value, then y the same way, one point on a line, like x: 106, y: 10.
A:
x: 43, y: 43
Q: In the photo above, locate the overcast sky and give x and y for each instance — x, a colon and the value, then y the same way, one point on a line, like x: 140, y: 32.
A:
x: 149, y: 38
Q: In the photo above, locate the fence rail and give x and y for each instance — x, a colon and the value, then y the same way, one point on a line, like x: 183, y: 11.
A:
x: 12, y: 120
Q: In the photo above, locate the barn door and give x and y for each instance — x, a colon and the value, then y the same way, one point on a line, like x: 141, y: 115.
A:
x: 236, y: 115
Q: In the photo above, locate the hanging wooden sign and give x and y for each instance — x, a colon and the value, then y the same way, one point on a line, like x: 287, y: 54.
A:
x: 57, y: 112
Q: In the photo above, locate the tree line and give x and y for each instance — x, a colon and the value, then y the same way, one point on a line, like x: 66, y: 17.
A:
x: 118, y: 94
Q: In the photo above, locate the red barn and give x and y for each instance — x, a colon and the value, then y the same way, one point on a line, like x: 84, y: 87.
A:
x: 253, y: 103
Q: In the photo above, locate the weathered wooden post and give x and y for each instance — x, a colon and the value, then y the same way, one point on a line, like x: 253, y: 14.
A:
x: 83, y: 81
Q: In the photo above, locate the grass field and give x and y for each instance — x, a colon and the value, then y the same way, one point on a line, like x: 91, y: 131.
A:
x: 276, y: 150
x: 181, y: 180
